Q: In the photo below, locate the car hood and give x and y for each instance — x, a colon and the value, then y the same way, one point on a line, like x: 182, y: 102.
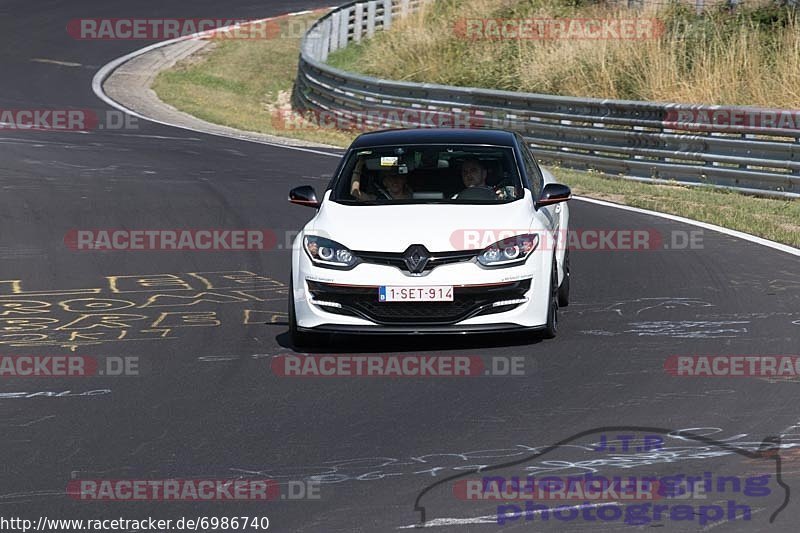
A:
x: 439, y: 227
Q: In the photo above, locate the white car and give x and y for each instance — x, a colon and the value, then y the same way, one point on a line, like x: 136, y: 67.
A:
x: 431, y: 231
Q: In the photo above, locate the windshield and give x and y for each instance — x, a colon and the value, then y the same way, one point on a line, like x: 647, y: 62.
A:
x: 429, y: 174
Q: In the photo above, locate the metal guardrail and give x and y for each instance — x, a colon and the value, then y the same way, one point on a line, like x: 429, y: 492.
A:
x: 639, y: 140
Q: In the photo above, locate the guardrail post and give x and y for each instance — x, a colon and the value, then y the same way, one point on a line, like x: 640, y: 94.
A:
x: 372, y: 7
x: 334, y: 32
x: 344, y: 26
x: 325, y: 41
x: 310, y: 45
x: 635, y: 129
x: 358, y: 22
x: 403, y: 8
x: 796, y: 171
x: 387, y: 14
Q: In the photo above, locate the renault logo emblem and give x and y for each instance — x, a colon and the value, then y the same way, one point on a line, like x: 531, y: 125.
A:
x: 416, y: 258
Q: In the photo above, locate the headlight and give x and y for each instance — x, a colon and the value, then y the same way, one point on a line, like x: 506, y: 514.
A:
x: 327, y: 253
x: 510, y: 251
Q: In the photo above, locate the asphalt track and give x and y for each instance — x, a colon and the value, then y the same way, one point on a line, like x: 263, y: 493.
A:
x: 209, y: 404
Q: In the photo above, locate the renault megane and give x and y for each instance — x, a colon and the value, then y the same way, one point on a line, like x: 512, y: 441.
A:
x: 431, y: 231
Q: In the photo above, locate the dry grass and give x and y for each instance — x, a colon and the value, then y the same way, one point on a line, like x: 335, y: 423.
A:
x: 746, y: 58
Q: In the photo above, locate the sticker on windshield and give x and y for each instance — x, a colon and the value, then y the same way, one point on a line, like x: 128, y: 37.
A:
x: 389, y: 161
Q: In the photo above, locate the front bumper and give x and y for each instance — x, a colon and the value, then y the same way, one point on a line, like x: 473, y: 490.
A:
x: 421, y: 330
x: 468, y: 301
x: 356, y: 308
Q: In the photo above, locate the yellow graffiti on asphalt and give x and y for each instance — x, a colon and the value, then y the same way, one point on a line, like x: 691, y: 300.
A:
x: 139, y: 307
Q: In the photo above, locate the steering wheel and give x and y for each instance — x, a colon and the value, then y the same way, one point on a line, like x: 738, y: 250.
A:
x: 477, y: 193
x: 382, y: 192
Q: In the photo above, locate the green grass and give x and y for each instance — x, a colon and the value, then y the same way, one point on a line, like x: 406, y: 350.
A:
x: 240, y: 83
x: 777, y: 220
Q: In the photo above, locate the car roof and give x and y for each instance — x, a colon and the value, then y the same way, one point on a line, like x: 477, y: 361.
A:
x: 434, y: 136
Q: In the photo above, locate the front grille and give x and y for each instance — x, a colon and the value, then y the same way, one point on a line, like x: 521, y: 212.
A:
x: 397, y: 260
x: 469, y: 301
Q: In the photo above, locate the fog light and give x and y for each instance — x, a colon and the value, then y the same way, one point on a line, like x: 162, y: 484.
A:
x: 327, y: 304
x: 510, y: 302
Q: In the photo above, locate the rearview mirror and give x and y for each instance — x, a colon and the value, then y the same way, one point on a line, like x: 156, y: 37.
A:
x: 304, y: 195
x: 554, y: 193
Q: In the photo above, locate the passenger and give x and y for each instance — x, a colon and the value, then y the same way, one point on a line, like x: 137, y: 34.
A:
x: 397, y: 186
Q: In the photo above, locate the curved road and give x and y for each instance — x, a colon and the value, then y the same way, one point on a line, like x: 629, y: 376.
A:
x: 208, y: 405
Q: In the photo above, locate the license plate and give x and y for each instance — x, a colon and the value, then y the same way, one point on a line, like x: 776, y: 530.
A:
x: 430, y: 293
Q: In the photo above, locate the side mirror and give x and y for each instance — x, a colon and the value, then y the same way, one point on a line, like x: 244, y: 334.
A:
x: 554, y: 193
x: 304, y: 195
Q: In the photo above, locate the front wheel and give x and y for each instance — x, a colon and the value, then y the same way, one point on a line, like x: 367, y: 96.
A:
x: 551, y: 328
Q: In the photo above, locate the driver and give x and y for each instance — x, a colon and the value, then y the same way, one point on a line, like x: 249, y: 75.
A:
x: 473, y: 174
x: 391, y: 185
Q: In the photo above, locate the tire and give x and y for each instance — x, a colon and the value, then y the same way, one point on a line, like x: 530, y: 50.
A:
x: 551, y: 328
x: 563, y: 290
x: 299, y: 339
